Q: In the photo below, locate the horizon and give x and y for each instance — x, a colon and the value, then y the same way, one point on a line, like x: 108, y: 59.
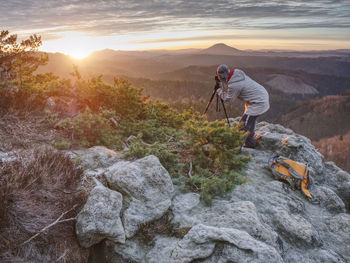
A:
x: 78, y: 28
x: 196, y: 49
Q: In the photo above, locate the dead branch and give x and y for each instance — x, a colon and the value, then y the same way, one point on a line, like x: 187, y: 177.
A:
x: 190, y: 171
x: 114, y: 121
x: 57, y: 221
x: 63, y: 255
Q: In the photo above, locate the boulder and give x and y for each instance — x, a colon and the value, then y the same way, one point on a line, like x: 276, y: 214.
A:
x: 262, y: 220
x: 8, y: 156
x: 200, y: 242
x: 100, y: 217
x: 96, y: 157
x: 313, y: 256
x: 293, y: 227
x: 285, y: 142
x: 130, y: 251
x: 328, y: 198
x: 337, y: 230
x: 339, y: 181
x: 147, y: 189
x: 188, y: 211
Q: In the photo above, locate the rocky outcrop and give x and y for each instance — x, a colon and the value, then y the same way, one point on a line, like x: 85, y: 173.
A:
x: 96, y: 157
x: 100, y: 217
x: 200, y: 243
x: 262, y: 220
x: 147, y: 188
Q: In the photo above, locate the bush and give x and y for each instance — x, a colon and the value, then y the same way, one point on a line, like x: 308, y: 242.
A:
x: 88, y: 129
x: 121, y: 98
x: 166, y: 152
x: 63, y: 144
x: 211, y: 185
x: 36, y: 189
x: 215, y: 144
x: 212, y: 150
x: 209, y: 148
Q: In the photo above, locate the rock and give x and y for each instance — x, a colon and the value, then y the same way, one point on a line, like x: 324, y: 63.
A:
x: 130, y: 251
x: 339, y: 180
x: 97, y: 157
x: 242, y: 215
x: 323, y: 256
x: 147, y: 188
x: 100, y: 218
x: 8, y: 156
x: 50, y: 104
x: 200, y: 242
x: 275, y: 137
x: 262, y: 220
x: 337, y: 229
x: 294, y: 228
x: 327, y: 198
x: 314, y: 256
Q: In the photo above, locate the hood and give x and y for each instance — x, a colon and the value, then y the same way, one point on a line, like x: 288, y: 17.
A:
x: 238, y: 75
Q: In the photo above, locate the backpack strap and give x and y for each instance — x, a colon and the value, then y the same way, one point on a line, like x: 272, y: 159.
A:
x: 291, y: 170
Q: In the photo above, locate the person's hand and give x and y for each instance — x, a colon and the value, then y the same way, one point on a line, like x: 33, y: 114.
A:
x: 219, y: 91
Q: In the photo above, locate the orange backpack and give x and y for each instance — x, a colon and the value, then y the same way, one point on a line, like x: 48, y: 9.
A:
x: 295, y: 173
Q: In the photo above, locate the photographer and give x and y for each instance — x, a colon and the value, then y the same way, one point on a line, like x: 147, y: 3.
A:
x: 252, y: 93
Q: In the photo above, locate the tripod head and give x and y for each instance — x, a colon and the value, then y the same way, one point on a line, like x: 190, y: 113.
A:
x: 217, y: 79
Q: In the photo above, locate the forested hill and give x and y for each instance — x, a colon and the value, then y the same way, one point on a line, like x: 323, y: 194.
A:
x: 152, y: 64
x: 192, y: 86
x: 319, y: 118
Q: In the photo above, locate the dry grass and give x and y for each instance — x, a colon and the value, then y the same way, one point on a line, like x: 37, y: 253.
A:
x: 34, y: 191
x: 161, y: 226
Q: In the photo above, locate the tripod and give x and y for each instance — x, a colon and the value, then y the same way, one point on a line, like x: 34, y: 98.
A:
x: 217, y: 86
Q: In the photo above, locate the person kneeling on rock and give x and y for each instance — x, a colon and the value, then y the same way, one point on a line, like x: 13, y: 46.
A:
x: 253, y: 94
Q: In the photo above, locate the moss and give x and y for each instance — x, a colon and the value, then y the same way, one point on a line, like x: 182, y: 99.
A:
x: 62, y: 144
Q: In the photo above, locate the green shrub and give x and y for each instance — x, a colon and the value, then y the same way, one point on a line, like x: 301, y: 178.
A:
x: 211, y: 185
x: 166, y: 152
x: 203, y: 153
x: 90, y: 129
x: 212, y: 148
x: 63, y: 144
x: 214, y: 144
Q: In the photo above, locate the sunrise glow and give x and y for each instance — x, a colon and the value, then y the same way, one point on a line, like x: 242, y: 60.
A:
x: 81, y: 28
x: 76, y: 45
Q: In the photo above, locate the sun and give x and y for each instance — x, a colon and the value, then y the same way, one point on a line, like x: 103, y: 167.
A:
x: 75, y: 45
x: 78, y: 53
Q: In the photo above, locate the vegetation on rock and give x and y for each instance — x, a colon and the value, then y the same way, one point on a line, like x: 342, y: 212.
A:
x: 201, y: 155
x: 36, y: 189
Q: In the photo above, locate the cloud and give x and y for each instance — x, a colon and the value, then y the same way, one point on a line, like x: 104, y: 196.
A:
x: 109, y: 17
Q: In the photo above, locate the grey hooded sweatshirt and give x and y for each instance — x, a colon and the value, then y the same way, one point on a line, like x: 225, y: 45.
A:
x: 252, y: 93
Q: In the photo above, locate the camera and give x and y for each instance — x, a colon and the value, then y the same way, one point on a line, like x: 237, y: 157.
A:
x: 217, y: 79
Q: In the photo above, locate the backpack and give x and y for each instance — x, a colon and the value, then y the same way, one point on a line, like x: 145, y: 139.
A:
x: 295, y: 173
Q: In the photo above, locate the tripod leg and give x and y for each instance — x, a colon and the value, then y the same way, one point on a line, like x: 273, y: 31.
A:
x: 223, y: 105
x: 211, y: 99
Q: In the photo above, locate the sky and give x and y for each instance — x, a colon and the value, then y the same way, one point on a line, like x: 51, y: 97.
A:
x: 79, y: 27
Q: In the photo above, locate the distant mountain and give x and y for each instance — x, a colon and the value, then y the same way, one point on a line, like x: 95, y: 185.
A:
x: 153, y: 64
x: 290, y: 85
x: 320, y: 118
x: 220, y: 49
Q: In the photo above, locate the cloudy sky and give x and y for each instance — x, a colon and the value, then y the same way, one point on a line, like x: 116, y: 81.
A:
x: 157, y: 24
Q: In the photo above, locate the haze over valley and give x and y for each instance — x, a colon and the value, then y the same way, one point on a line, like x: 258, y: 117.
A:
x: 184, y: 78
